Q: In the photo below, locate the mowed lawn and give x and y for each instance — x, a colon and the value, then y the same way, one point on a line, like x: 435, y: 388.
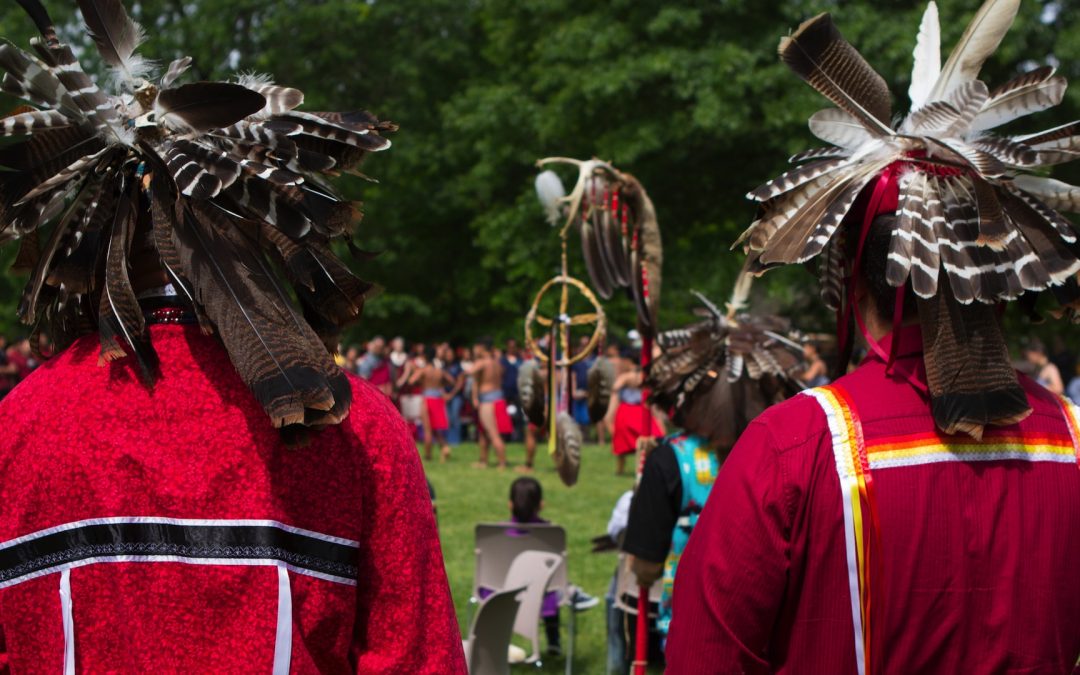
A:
x: 467, y: 496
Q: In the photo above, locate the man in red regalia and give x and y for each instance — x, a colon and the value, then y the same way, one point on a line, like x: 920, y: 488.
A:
x: 921, y: 514
x: 192, y: 485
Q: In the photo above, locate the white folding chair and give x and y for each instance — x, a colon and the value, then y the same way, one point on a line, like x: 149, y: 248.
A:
x: 534, y: 570
x: 498, y: 544
x: 488, y: 641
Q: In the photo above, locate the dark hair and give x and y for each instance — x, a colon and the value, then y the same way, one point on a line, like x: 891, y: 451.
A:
x: 525, y: 497
x: 1034, y: 345
x: 874, y: 263
x: 429, y: 352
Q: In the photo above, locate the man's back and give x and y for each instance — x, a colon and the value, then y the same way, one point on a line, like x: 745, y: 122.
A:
x: 488, y: 374
x: 978, y: 542
x: 187, y: 537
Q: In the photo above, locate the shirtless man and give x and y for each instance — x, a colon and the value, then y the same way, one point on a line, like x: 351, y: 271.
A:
x: 488, y: 401
x: 432, y: 378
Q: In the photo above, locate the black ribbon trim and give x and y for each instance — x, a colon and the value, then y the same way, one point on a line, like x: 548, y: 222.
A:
x: 223, y: 542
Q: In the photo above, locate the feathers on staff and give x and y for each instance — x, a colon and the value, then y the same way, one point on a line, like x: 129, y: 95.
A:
x: 620, y: 235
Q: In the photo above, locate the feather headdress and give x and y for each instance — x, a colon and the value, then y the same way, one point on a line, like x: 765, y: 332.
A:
x: 721, y: 372
x: 620, y: 236
x: 220, y: 184
x: 972, y: 227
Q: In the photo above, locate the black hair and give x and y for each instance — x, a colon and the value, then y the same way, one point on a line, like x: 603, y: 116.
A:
x: 1034, y: 345
x: 874, y: 262
x: 525, y: 497
x: 429, y: 352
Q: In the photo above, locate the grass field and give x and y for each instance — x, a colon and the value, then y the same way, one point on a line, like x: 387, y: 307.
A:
x: 467, y: 496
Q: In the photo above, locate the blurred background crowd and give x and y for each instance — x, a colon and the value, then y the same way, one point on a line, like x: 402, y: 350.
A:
x: 394, y: 367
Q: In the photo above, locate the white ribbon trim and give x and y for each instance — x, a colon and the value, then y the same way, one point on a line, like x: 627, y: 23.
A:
x: 283, y: 637
x: 188, y: 522
x: 69, y: 622
x: 845, y: 471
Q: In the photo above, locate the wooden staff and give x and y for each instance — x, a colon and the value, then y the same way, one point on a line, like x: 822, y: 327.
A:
x: 641, y: 646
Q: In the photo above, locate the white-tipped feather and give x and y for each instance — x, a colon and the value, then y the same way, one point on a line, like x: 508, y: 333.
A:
x: 980, y: 39
x: 927, y: 55
x: 740, y: 295
x: 1054, y: 193
x: 117, y: 37
x: 550, y: 191
x: 1016, y: 103
x: 840, y: 128
x: 176, y: 69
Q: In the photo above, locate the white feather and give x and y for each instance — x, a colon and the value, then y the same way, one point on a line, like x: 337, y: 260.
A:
x: 740, y: 295
x: 550, y: 190
x: 927, y: 55
x: 840, y: 128
x: 1020, y: 102
x: 980, y: 39
x: 1054, y: 193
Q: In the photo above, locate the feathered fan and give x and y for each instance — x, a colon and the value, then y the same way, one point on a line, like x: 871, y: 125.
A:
x: 222, y: 183
x: 620, y: 236
x: 531, y: 390
x: 720, y: 373
x: 971, y: 226
x: 568, y: 443
x: 599, y: 383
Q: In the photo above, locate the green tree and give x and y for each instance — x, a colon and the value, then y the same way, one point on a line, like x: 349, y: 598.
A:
x: 689, y: 96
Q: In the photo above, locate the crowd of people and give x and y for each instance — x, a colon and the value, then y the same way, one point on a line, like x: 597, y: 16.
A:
x: 451, y: 394
x: 469, y: 393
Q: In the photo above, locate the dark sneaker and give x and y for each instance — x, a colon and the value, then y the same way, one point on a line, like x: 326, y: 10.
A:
x: 581, y: 601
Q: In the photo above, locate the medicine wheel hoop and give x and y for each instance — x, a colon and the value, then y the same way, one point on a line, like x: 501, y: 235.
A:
x: 537, y: 323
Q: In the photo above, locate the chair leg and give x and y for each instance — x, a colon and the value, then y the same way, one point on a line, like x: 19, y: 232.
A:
x: 470, y: 609
x: 572, y: 635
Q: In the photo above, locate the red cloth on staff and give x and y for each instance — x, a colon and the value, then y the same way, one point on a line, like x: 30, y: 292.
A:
x: 83, y: 442
x: 629, y: 428
x: 977, y: 572
x: 436, y: 408
x: 502, y: 418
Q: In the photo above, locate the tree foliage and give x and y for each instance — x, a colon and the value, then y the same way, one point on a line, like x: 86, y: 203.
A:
x: 689, y: 96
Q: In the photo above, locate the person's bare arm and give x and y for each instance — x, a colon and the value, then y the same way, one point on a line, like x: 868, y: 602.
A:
x: 459, y: 385
x: 406, y: 374
x: 1053, y: 379
x: 815, y: 369
x: 416, y: 376
x: 613, y: 403
x: 478, y: 381
x: 575, y: 392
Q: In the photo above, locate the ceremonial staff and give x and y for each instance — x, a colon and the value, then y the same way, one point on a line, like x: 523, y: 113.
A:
x: 620, y: 241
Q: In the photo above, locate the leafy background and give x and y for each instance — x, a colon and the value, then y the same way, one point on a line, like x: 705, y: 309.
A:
x: 687, y: 95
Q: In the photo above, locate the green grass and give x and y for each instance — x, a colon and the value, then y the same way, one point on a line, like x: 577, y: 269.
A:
x: 467, y: 496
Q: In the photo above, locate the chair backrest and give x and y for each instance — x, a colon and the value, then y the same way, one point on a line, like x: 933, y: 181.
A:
x: 626, y: 589
x: 489, y: 636
x: 534, y: 570
x: 498, y: 544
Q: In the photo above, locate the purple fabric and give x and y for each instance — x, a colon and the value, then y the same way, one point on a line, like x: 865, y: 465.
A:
x: 551, y: 598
